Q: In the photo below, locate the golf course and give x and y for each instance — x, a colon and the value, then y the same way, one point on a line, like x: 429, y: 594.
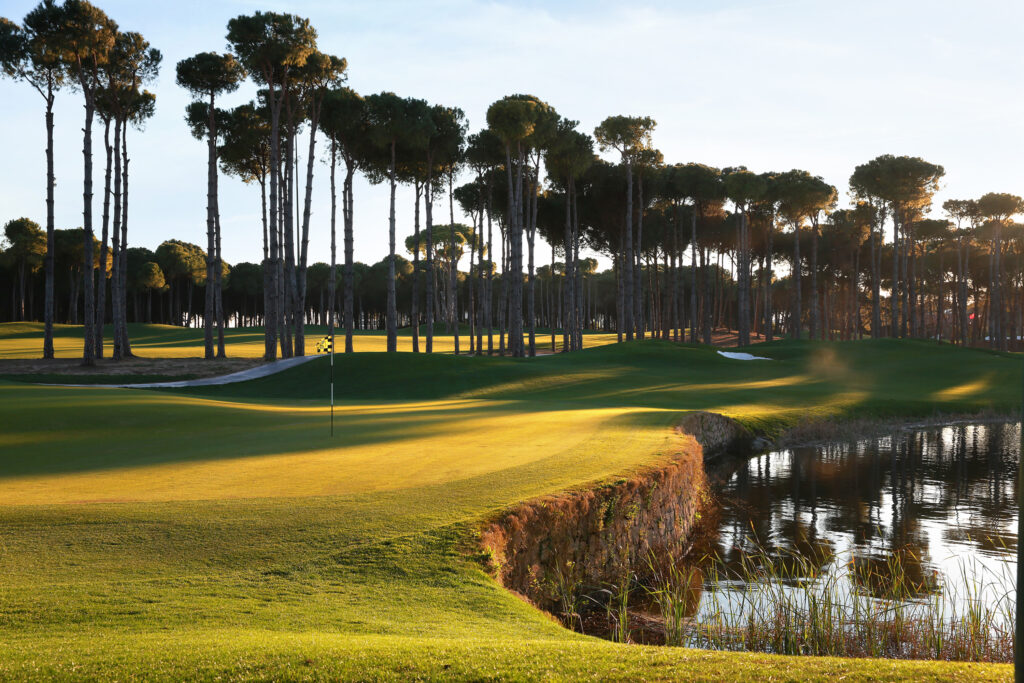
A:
x: 483, y: 340
x: 222, y: 533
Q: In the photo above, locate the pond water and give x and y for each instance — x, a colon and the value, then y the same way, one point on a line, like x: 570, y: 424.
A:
x: 939, y: 501
x: 897, y: 546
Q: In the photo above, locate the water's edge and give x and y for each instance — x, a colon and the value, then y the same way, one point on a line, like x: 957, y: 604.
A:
x: 542, y: 549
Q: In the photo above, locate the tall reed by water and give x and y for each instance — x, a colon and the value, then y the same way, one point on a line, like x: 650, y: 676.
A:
x: 780, y: 601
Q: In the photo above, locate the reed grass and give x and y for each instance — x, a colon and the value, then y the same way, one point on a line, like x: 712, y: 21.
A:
x: 779, y: 601
x: 616, y: 605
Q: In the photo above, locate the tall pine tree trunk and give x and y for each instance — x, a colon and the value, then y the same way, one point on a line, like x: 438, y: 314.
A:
x: 961, y: 258
x: 515, y: 306
x: 876, y: 303
x: 530, y: 230
x: 271, y: 315
x: 416, y: 274
x: 333, y: 277
x: 470, y: 284
x: 693, y: 275
x: 48, y: 304
x: 578, y: 323
x: 940, y: 294
x: 569, y: 297
x: 909, y: 292
x: 265, y: 264
x: 480, y: 292
x: 392, y: 309
x: 676, y: 266
x: 795, y: 323
x: 300, y: 305
x: 743, y: 298
x: 620, y: 327
x: 626, y: 266
x: 115, y: 242
x: 89, y: 316
x: 213, y: 284
x: 894, y: 295
x: 347, y: 200
x: 218, y: 284
x: 101, y: 292
x: 209, y: 312
x: 490, y: 277
x: 531, y: 235
x: 453, y: 273
x: 815, y: 311
x: 638, y: 280
x: 19, y: 304
x: 428, y: 205
x: 503, y: 293
x: 706, y: 296
x: 769, y: 321
x: 122, y: 332
x: 288, y: 308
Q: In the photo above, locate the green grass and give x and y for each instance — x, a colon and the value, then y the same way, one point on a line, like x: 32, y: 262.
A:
x: 25, y: 340
x: 220, y: 532
x: 871, y: 378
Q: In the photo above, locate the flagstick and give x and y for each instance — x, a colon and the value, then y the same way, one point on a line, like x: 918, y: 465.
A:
x: 332, y: 381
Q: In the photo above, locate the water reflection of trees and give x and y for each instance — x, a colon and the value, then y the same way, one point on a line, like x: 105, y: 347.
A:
x: 909, y: 500
x: 898, y: 575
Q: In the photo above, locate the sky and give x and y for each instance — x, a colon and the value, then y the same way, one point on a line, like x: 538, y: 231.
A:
x: 771, y: 85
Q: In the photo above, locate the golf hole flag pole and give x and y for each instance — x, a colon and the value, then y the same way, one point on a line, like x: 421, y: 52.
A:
x: 326, y: 345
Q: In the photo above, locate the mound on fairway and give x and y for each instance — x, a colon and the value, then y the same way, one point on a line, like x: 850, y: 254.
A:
x: 221, y: 532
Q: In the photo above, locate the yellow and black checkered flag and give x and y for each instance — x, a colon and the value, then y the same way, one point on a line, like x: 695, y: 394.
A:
x: 324, y: 345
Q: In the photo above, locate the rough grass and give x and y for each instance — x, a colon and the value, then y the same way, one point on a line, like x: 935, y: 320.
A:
x: 289, y: 656
x: 230, y: 537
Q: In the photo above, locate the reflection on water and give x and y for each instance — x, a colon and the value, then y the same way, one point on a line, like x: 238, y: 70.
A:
x: 938, y: 503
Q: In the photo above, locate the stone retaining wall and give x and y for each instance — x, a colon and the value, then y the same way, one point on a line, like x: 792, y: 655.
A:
x: 544, y: 547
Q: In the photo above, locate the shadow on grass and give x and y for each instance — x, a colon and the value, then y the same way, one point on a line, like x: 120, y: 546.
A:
x: 74, y: 430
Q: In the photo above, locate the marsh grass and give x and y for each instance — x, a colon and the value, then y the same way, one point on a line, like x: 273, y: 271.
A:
x: 614, y: 600
x: 566, y: 584
x: 782, y: 602
x: 672, y: 590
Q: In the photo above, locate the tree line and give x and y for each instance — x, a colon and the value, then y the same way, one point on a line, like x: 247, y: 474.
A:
x: 169, y: 285
x: 75, y: 45
x: 693, y: 248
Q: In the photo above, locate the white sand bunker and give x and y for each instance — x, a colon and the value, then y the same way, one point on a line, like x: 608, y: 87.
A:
x: 741, y: 356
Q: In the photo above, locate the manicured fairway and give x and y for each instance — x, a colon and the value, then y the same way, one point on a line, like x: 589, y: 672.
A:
x: 220, y: 532
x: 206, y: 449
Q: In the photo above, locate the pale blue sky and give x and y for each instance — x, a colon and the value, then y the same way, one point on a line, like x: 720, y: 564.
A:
x: 770, y: 85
